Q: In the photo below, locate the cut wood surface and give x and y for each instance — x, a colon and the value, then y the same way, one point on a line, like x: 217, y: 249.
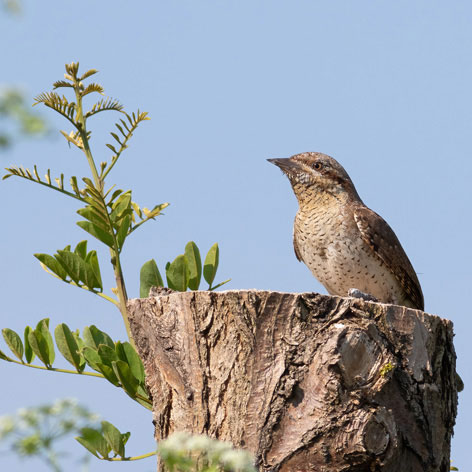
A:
x: 305, y: 382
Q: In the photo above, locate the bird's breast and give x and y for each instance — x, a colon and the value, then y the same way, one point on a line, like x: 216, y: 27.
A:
x: 330, y: 244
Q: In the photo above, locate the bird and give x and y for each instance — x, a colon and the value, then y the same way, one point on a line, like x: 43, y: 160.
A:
x: 348, y: 247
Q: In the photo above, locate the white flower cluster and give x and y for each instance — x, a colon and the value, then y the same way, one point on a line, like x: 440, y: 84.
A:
x: 179, y: 448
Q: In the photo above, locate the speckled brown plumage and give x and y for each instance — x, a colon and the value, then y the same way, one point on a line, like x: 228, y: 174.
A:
x: 345, y: 244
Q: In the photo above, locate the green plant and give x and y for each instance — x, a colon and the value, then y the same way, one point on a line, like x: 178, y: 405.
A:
x: 110, y: 216
x: 17, y: 118
x: 37, y: 432
x: 12, y: 6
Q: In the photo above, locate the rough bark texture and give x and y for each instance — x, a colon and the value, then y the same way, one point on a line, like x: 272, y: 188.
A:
x: 303, y: 381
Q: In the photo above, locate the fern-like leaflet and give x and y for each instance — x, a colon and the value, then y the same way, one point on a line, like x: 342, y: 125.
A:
x: 104, y: 104
x: 60, y: 104
x: 26, y: 174
x: 126, y: 130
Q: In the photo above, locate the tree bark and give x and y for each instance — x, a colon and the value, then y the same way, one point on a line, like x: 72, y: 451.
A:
x: 305, y: 382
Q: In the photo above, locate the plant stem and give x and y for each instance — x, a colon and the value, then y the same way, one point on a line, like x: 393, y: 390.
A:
x: 65, y: 192
x: 122, y: 295
x: 83, y: 134
x: 99, y: 184
x: 64, y: 371
x: 125, y: 459
x: 123, y: 146
x: 83, y: 287
x: 144, y: 399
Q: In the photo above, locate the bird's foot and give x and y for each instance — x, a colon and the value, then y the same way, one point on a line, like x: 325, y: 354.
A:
x: 355, y: 293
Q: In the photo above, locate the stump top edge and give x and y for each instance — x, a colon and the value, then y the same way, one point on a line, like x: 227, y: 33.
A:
x: 165, y: 292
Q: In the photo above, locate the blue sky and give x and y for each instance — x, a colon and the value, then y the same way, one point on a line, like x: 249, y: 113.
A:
x: 384, y: 87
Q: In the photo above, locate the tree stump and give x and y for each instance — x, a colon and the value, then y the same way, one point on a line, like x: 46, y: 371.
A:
x: 305, y: 382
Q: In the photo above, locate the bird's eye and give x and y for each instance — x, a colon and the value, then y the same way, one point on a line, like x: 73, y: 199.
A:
x: 317, y: 165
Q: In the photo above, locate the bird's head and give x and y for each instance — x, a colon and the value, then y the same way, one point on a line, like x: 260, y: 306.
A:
x: 314, y: 172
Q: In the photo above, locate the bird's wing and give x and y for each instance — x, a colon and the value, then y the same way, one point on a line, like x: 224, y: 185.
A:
x: 378, y: 235
x: 295, y: 247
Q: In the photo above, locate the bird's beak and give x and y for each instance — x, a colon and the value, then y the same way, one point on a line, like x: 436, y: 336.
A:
x: 286, y: 165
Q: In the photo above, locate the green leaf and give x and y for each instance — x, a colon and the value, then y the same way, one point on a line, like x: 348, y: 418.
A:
x: 211, y: 264
x: 61, y: 83
x: 114, y: 438
x: 93, y: 440
x: 71, y: 263
x: 125, y: 437
x: 72, y: 138
x: 88, y: 445
x: 137, y: 209
x: 122, y: 203
x: 43, y: 328
x: 4, y: 357
x: 116, y: 138
x: 123, y: 231
x: 126, y: 378
x: 95, y: 215
x: 92, y: 358
x: 93, y: 337
x: 52, y: 264
x: 97, y: 232
x: 112, y: 148
x: 128, y: 354
x: 29, y: 354
x: 74, y: 185
x: 14, y: 342
x: 149, y: 277
x: 78, y: 339
x: 151, y: 214
x: 109, y: 374
x: 81, y: 346
x: 88, y: 74
x: 78, y: 269
x: 107, y: 354
x: 68, y: 346
x: 81, y: 249
x: 143, y: 393
x: 39, y: 346
x: 115, y: 195
x: 92, y: 88
x: 194, y: 265
x: 60, y: 104
x: 177, y: 274
x: 92, y: 261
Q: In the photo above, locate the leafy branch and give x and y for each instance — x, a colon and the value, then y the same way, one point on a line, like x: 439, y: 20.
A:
x: 130, y: 127
x: 34, y: 177
x: 110, y: 221
x: 185, y: 272
x: 110, y: 216
x: 116, y: 362
x: 108, y: 439
x: 106, y: 104
x: 37, y: 432
x: 52, y: 100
